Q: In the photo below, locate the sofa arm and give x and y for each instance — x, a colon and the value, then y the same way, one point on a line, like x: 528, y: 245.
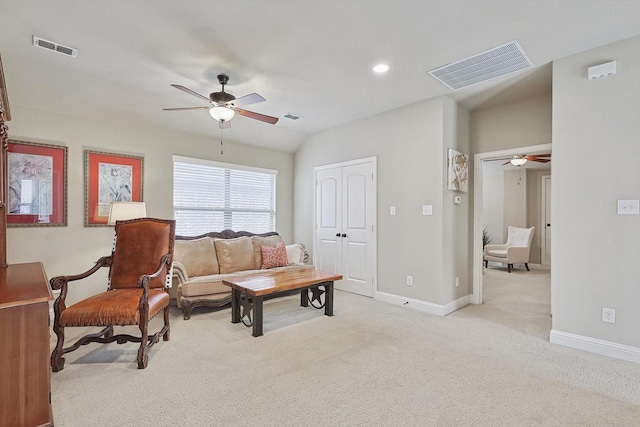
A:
x: 180, y: 272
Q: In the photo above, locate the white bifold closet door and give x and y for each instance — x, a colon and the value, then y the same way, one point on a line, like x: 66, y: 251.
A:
x: 345, y: 235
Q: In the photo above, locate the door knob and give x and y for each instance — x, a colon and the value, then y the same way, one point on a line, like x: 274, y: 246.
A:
x: 337, y: 234
x: 548, y: 225
x: 344, y: 235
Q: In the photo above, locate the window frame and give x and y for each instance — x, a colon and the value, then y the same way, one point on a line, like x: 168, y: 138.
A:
x: 227, y: 210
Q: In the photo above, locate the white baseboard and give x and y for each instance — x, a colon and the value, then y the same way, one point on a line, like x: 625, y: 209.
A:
x: 595, y: 345
x: 425, y: 306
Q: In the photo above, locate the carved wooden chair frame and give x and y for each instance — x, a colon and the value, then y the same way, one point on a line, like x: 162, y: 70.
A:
x: 107, y: 335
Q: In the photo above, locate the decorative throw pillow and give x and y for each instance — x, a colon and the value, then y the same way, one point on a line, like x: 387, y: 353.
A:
x: 274, y: 257
x: 235, y: 254
x: 259, y: 241
x: 198, y: 256
x: 295, y: 253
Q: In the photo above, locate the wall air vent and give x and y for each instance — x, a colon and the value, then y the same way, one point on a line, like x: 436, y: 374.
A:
x: 292, y: 116
x: 490, y: 64
x: 55, y: 47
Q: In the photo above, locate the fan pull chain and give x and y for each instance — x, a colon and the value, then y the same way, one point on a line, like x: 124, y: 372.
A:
x: 221, y: 144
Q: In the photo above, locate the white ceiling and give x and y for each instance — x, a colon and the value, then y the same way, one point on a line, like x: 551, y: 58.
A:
x: 311, y: 58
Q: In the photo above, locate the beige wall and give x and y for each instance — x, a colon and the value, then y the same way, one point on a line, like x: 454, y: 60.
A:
x: 515, y: 198
x: 596, y: 127
x: 516, y: 124
x: 534, y: 211
x: 74, y: 249
x: 410, y: 144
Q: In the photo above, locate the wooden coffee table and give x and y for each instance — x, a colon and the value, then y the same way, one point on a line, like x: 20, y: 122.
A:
x: 249, y: 292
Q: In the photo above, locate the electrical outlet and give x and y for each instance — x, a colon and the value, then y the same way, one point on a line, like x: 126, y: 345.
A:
x: 457, y: 281
x: 608, y: 315
x: 409, y: 280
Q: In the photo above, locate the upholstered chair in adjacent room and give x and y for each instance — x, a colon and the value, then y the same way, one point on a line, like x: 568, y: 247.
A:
x: 137, y: 289
x: 515, y: 251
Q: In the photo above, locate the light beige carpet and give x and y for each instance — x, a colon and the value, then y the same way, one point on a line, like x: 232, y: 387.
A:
x: 372, y: 364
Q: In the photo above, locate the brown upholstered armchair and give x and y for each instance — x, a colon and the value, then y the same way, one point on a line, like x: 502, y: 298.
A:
x: 139, y: 275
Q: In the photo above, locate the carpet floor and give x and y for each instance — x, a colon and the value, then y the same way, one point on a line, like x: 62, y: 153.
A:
x: 372, y: 364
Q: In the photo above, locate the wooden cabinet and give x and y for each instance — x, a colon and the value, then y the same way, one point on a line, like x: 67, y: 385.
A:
x: 25, y: 374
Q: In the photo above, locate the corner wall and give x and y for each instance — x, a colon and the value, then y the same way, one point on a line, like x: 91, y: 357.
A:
x: 595, y: 252
x: 410, y: 144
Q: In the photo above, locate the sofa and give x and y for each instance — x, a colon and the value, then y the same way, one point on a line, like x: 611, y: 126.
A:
x: 200, y: 263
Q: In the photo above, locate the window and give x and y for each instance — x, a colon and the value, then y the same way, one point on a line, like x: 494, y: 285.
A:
x: 212, y: 196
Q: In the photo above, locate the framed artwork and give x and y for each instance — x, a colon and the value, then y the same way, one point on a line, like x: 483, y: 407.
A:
x: 37, y: 184
x: 109, y: 177
x: 457, y: 171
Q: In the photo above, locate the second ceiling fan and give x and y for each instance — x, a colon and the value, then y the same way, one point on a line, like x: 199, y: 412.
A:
x: 519, y: 160
x: 223, y: 106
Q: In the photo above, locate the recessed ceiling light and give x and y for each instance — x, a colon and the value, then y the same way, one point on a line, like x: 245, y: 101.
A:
x: 381, y: 68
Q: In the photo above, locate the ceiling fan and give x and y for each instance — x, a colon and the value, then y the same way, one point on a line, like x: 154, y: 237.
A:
x: 519, y: 160
x: 223, y: 106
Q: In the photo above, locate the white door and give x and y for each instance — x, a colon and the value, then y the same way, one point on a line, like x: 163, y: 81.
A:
x: 328, y: 246
x: 345, y: 235
x: 546, y: 221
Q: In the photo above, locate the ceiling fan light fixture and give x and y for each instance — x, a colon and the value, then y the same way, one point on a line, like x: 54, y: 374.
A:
x: 518, y: 161
x: 222, y: 114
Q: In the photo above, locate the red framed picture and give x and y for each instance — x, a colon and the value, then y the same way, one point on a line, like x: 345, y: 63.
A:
x: 109, y: 178
x: 37, y: 187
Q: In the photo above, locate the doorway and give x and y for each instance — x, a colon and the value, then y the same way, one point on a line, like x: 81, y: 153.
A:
x: 476, y: 297
x: 345, y: 231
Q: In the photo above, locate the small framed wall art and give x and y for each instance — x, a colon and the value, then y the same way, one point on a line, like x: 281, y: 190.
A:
x: 457, y: 171
x: 37, y: 184
x: 110, y: 177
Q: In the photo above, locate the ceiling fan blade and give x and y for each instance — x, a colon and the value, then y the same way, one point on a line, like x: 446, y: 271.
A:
x: 257, y: 116
x: 506, y: 163
x: 190, y: 92
x: 225, y: 124
x: 186, y: 108
x: 252, y: 98
x: 540, y: 160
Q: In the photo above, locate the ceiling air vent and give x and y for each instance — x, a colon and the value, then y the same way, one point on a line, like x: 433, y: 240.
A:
x: 496, y: 62
x: 55, y: 47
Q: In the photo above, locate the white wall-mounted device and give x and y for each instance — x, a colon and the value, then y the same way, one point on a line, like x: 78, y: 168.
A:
x: 602, y: 70
x: 457, y: 200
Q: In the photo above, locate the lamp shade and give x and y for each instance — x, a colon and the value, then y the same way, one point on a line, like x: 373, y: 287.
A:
x: 518, y: 161
x: 222, y: 113
x: 120, y: 211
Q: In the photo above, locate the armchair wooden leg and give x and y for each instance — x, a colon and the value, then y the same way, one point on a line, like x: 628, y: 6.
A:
x: 57, y: 361
x: 143, y: 357
x: 165, y: 337
x: 526, y: 264
x: 486, y: 264
x: 509, y: 267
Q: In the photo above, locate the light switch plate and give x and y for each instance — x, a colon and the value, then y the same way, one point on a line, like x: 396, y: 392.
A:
x: 427, y: 210
x: 628, y: 207
x: 392, y: 210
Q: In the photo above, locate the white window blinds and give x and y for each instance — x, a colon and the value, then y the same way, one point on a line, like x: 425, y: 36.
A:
x: 211, y: 196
